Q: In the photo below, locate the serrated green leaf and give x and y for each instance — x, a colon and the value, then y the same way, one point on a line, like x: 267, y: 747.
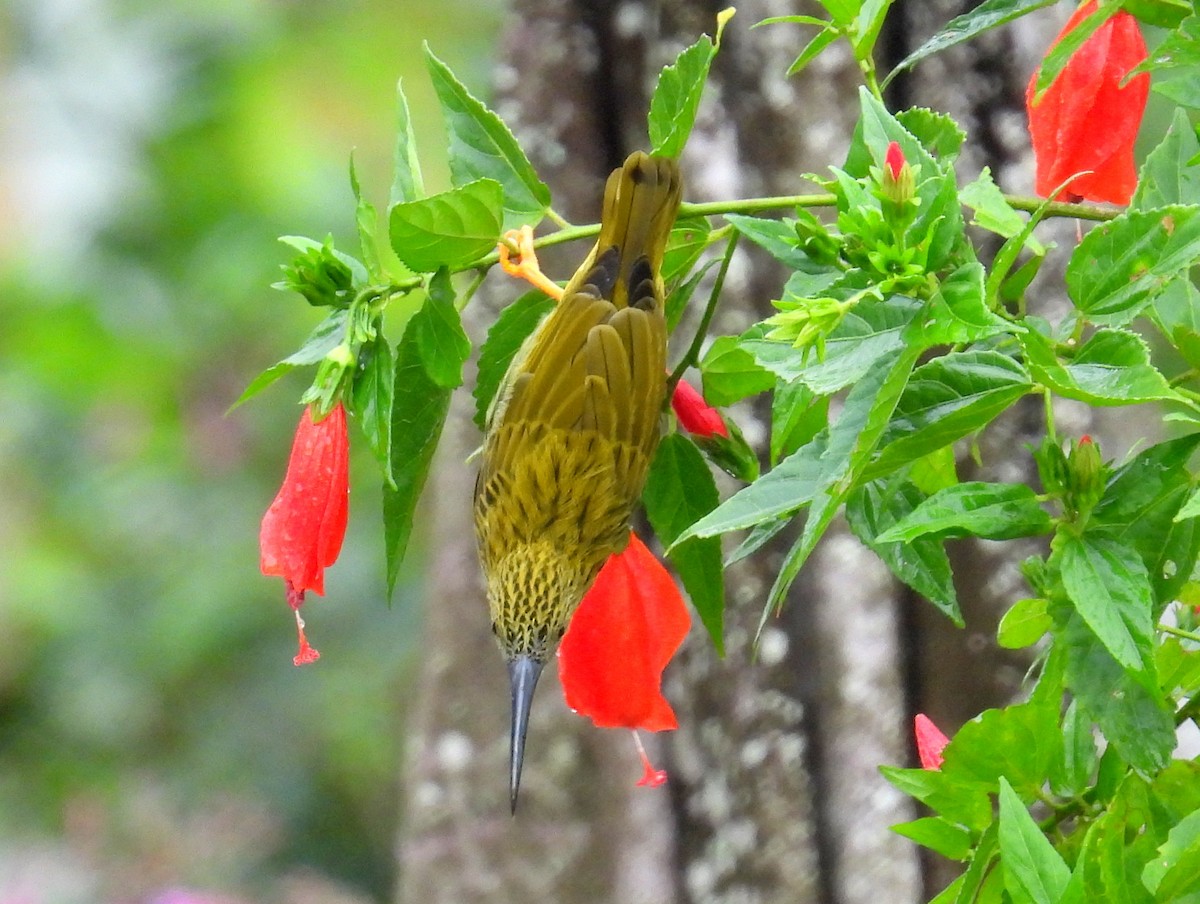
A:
x: 993, y: 212
x: 1176, y: 312
x: 797, y: 415
x: 778, y: 238
x: 1168, y: 176
x: 1017, y: 743
x: 780, y: 491
x: 1190, y: 509
x: 677, y: 95
x: 939, y: 133
x: 948, y: 398
x: 483, y: 147
x: 450, y: 229
x: 935, y: 833
x: 371, y: 397
x: 1024, y: 624
x: 1110, y: 589
x: 957, y: 312
x: 506, y: 336
x: 1067, y: 45
x: 1120, y: 265
x: 1072, y: 774
x: 1134, y: 718
x: 730, y: 373
x: 961, y: 801
x: 440, y: 338
x: 1033, y: 870
x: 853, y: 439
x: 1176, y: 871
x: 1112, y: 368
x: 407, y: 184
x: 922, y: 564
x: 419, y: 408
x: 679, y: 491
x: 329, y: 334
x: 987, y: 15
x: 995, y: 511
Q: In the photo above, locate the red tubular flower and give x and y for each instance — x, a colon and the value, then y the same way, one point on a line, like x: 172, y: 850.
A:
x: 620, y: 639
x: 695, y: 415
x: 302, y: 531
x: 930, y: 742
x: 1085, y: 121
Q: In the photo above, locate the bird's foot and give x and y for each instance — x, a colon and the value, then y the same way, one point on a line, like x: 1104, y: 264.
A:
x: 520, y: 243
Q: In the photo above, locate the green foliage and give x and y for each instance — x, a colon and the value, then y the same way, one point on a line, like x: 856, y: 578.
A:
x: 898, y: 338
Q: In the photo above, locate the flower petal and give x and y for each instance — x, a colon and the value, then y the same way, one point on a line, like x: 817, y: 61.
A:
x: 695, y: 415
x: 930, y: 742
x: 620, y: 639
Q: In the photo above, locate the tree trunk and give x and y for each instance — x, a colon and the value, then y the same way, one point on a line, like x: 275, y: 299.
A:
x: 774, y: 791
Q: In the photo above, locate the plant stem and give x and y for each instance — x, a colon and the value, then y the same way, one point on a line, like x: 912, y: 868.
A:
x: 693, y: 353
x: 1179, y: 632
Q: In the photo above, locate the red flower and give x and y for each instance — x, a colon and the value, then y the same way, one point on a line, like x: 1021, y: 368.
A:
x: 930, y: 742
x: 1085, y: 121
x: 620, y: 639
x: 302, y: 531
x: 695, y: 415
x: 894, y: 160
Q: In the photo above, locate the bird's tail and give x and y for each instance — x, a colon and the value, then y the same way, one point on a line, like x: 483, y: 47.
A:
x: 640, y: 202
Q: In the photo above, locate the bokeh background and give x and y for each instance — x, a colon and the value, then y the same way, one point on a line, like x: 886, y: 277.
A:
x: 156, y: 743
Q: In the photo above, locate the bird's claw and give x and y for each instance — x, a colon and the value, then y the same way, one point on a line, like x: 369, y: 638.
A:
x: 520, y: 242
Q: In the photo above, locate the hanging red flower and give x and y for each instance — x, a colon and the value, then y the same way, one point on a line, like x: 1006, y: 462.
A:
x: 695, y: 415
x: 1086, y: 121
x: 303, y: 529
x: 930, y: 742
x: 620, y: 639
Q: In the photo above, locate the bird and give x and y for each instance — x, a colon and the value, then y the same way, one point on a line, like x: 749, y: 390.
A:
x: 572, y: 429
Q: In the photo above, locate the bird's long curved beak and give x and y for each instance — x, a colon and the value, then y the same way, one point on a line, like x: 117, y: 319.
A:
x: 523, y: 674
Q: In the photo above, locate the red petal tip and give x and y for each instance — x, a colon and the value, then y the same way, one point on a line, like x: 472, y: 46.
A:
x: 930, y: 742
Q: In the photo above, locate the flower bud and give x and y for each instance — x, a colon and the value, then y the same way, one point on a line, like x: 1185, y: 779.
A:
x: 898, y: 182
x: 1086, y: 475
x: 320, y: 276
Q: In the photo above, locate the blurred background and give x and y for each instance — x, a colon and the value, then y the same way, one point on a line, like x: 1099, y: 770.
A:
x: 156, y: 743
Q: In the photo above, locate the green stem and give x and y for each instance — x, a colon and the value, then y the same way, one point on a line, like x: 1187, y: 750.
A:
x: 1048, y: 404
x: 752, y: 205
x: 1061, y: 208
x: 1179, y: 379
x: 465, y: 298
x: 558, y: 219
x: 1180, y: 632
x: 693, y: 353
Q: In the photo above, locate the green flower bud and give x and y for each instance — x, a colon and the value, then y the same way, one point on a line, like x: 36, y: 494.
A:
x: 320, y: 276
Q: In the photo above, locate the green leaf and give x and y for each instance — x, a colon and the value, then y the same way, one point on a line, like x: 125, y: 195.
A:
x: 371, y: 397
x: 677, y: 94
x: 1190, y: 509
x: 367, y: 222
x: 1168, y: 175
x: 450, y: 229
x: 1120, y: 265
x: 1176, y: 312
x: 328, y: 335
x: 797, y: 415
x: 679, y: 491
x: 922, y: 564
x: 779, y: 239
x: 1017, y: 743
x: 440, y: 337
x: 1176, y: 871
x: 1033, y: 870
x: 959, y: 800
x: 1066, y: 47
x: 1112, y: 368
x: 515, y: 324
x: 780, y: 491
x: 730, y: 373
x: 1134, y: 718
x: 1108, y: 585
x: 992, y: 210
x: 853, y: 438
x: 1139, y: 507
x: 987, y: 15
x: 936, y: 131
x: 995, y: 511
x: 937, y: 834
x: 812, y: 49
x: 1163, y: 13
x: 946, y: 399
x: 406, y: 168
x: 957, y: 312
x: 1024, y: 624
x: 419, y: 408
x: 483, y: 147
x: 1072, y: 775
